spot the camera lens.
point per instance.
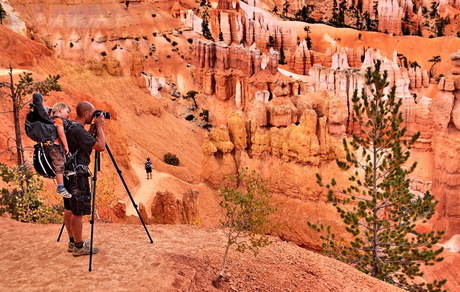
(97, 113)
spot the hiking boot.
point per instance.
(84, 250)
(71, 245)
(63, 192)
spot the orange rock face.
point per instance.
(284, 120)
(166, 209)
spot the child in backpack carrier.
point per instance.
(60, 148)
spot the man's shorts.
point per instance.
(78, 186)
(57, 158)
(148, 169)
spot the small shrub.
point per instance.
(171, 159)
(174, 44)
(19, 197)
(71, 45)
(190, 40)
(190, 117)
(103, 54)
(154, 15)
(207, 127)
(154, 34)
(205, 115)
(247, 205)
(144, 37)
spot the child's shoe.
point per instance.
(63, 192)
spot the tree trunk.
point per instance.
(221, 275)
(17, 118)
(18, 137)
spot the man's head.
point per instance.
(85, 112)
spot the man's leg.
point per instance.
(81, 205)
(77, 228)
(68, 222)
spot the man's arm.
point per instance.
(100, 138)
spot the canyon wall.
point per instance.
(289, 127)
(305, 127)
(446, 146)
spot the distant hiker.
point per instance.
(59, 148)
(148, 168)
(78, 184)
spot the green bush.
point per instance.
(171, 159)
(19, 197)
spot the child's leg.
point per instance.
(59, 178)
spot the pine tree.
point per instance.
(205, 30)
(377, 207)
(435, 60)
(286, 5)
(191, 95)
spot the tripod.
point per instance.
(97, 162)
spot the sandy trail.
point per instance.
(147, 189)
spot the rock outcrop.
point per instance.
(110, 65)
(446, 144)
(390, 16)
(167, 209)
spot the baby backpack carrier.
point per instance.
(40, 128)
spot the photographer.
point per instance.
(79, 205)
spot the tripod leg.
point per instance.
(93, 204)
(127, 190)
(60, 232)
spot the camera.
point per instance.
(97, 113)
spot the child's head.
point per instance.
(61, 110)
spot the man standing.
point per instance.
(82, 143)
(148, 168)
